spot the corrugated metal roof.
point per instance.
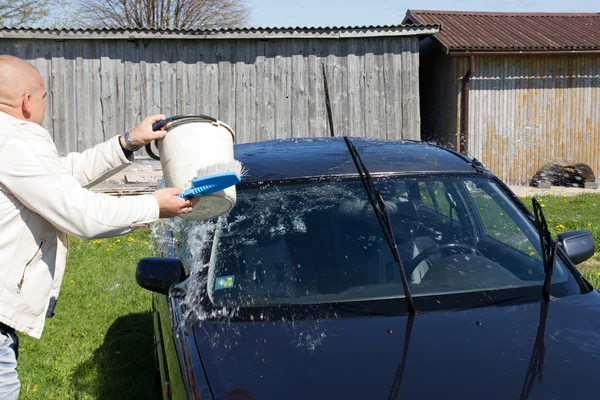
(487, 31)
(238, 33)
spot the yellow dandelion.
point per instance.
(130, 239)
(35, 389)
(532, 253)
(118, 240)
(543, 205)
(72, 280)
(522, 197)
(589, 224)
(564, 195)
(598, 273)
(146, 243)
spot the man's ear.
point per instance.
(26, 105)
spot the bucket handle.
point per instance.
(165, 121)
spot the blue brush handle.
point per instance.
(210, 184)
(189, 193)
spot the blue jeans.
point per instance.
(10, 386)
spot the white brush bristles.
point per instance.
(222, 168)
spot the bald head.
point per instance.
(22, 89)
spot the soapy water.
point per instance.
(270, 212)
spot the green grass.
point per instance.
(99, 345)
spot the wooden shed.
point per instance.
(264, 83)
(515, 90)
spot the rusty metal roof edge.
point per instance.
(523, 51)
(504, 14)
(239, 33)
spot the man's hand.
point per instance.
(171, 205)
(143, 133)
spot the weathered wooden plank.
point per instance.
(95, 104)
(265, 107)
(248, 126)
(356, 88)
(210, 86)
(57, 92)
(108, 96)
(394, 102)
(282, 92)
(242, 86)
(226, 92)
(71, 53)
(313, 81)
(375, 96)
(299, 83)
(411, 115)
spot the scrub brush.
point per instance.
(214, 178)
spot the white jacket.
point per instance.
(44, 198)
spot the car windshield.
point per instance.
(320, 242)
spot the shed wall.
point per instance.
(263, 88)
(525, 112)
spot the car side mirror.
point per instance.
(158, 274)
(579, 245)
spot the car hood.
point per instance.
(530, 351)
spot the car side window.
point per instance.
(498, 224)
(434, 195)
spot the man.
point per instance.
(44, 198)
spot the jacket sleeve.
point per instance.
(98, 163)
(32, 171)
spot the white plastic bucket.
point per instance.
(190, 145)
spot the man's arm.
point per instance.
(32, 171)
(98, 163)
(106, 159)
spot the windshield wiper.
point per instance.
(548, 248)
(382, 216)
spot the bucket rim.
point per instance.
(193, 119)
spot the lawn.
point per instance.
(99, 344)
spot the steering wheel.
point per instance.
(436, 249)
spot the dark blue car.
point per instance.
(361, 269)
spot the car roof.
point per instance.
(284, 159)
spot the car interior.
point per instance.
(342, 254)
